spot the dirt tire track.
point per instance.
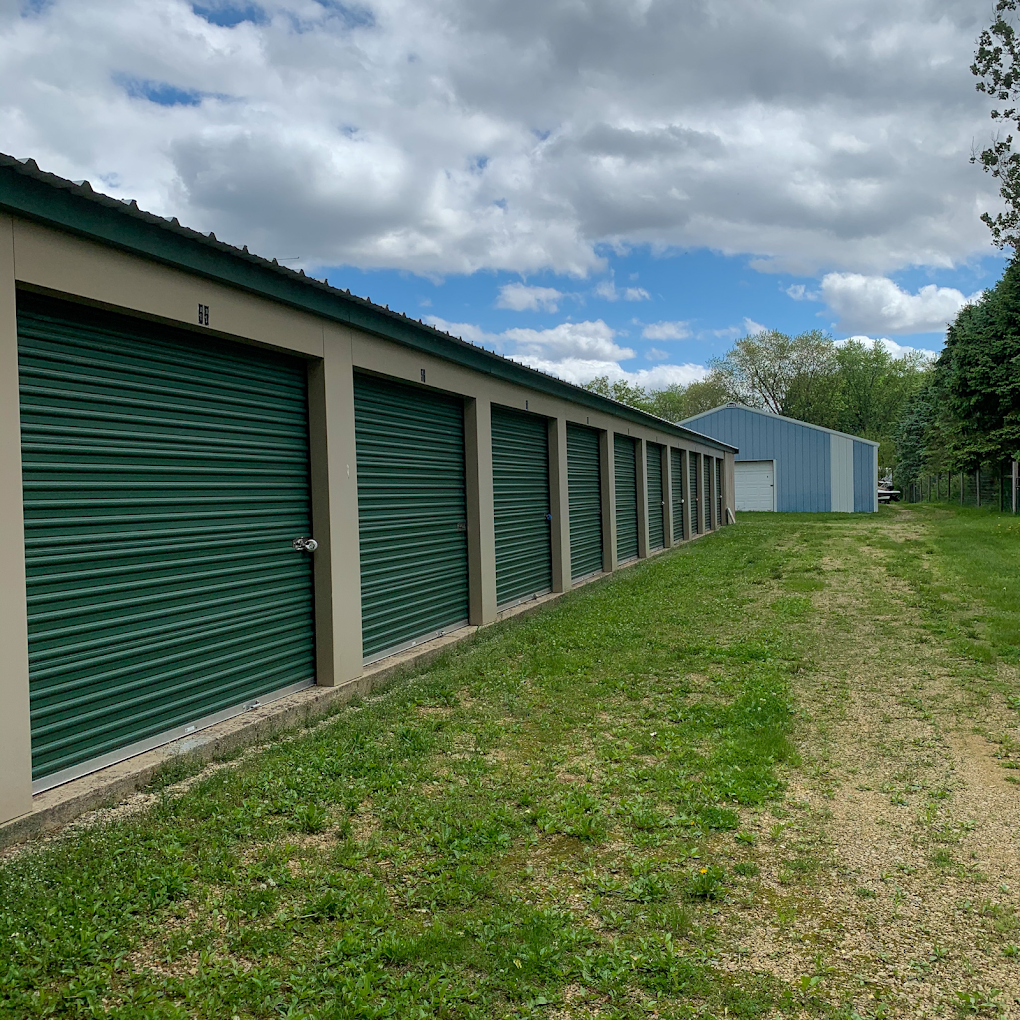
(904, 825)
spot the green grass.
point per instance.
(966, 572)
(527, 819)
(562, 814)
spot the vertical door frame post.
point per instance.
(334, 477)
(701, 494)
(715, 503)
(607, 456)
(559, 505)
(729, 469)
(481, 511)
(667, 497)
(15, 720)
(685, 490)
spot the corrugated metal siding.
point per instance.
(803, 473)
(584, 487)
(692, 471)
(677, 495)
(656, 504)
(520, 489)
(865, 486)
(625, 463)
(841, 458)
(165, 479)
(412, 512)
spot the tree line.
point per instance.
(853, 387)
(966, 416)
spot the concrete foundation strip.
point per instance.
(62, 804)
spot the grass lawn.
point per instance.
(682, 791)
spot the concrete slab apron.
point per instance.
(62, 804)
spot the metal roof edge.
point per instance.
(781, 417)
(27, 191)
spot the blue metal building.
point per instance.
(789, 465)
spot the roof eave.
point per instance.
(27, 191)
(781, 417)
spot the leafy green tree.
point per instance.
(978, 377)
(874, 390)
(677, 402)
(916, 437)
(764, 369)
(815, 397)
(673, 403)
(997, 65)
(620, 390)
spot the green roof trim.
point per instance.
(27, 191)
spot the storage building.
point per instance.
(224, 480)
(792, 466)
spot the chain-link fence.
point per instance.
(993, 487)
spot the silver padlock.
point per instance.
(305, 545)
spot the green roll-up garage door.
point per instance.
(625, 463)
(692, 460)
(656, 506)
(677, 495)
(584, 486)
(165, 477)
(412, 512)
(520, 489)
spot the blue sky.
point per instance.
(704, 299)
(596, 187)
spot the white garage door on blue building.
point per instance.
(792, 466)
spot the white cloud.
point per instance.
(654, 354)
(443, 136)
(607, 290)
(876, 304)
(586, 341)
(521, 298)
(895, 349)
(666, 331)
(568, 340)
(799, 292)
(575, 351)
(657, 378)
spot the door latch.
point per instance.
(305, 544)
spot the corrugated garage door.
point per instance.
(166, 477)
(718, 490)
(412, 513)
(677, 495)
(692, 471)
(584, 486)
(625, 463)
(520, 489)
(656, 503)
